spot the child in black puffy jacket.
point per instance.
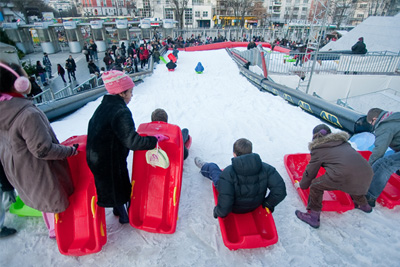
(243, 186)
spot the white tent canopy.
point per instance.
(380, 34)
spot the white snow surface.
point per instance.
(218, 107)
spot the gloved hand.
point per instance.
(215, 213)
(161, 137)
(266, 205)
(75, 149)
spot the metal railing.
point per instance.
(326, 63)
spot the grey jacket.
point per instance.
(387, 134)
(33, 159)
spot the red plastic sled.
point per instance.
(248, 230)
(172, 57)
(390, 196)
(156, 191)
(332, 200)
(81, 229)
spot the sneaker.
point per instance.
(7, 232)
(365, 208)
(310, 217)
(199, 162)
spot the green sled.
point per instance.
(19, 208)
(163, 60)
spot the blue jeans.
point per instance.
(212, 172)
(383, 168)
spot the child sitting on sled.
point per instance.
(171, 65)
(161, 115)
(111, 134)
(346, 170)
(243, 186)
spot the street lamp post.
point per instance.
(60, 13)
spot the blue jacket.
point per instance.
(199, 67)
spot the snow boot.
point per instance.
(371, 201)
(310, 217)
(7, 232)
(199, 162)
(121, 212)
(365, 208)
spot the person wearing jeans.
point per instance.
(386, 128)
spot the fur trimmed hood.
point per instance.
(333, 137)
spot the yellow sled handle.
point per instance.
(56, 217)
(175, 188)
(268, 211)
(133, 185)
(93, 206)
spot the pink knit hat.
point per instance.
(117, 82)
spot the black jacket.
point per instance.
(243, 186)
(111, 134)
(359, 48)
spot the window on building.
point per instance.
(305, 1)
(188, 16)
(304, 8)
(205, 14)
(363, 5)
(295, 8)
(297, 1)
(197, 14)
(288, 1)
(169, 14)
(360, 15)
(198, 2)
(303, 17)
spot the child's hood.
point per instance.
(249, 164)
(339, 137)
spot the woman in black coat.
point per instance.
(111, 134)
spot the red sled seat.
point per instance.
(81, 228)
(156, 190)
(248, 230)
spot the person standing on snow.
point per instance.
(111, 134)
(30, 148)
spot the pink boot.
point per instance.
(49, 221)
(311, 217)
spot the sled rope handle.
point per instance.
(93, 206)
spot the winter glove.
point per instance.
(266, 205)
(296, 184)
(161, 137)
(215, 213)
(74, 150)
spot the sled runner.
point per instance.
(19, 208)
(156, 189)
(248, 230)
(81, 228)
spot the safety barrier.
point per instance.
(346, 119)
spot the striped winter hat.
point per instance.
(117, 82)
